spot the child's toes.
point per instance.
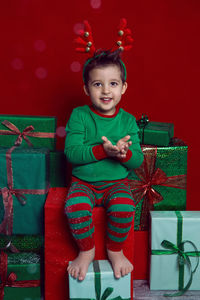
(117, 273)
(71, 272)
(127, 271)
(124, 271)
(76, 273)
(69, 268)
(81, 275)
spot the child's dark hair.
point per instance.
(101, 59)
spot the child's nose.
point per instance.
(106, 89)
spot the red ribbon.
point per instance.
(6, 227)
(23, 135)
(10, 280)
(149, 175)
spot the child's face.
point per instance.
(105, 88)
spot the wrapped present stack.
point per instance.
(160, 182)
(159, 189)
(26, 163)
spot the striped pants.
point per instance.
(114, 196)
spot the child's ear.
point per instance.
(124, 87)
(86, 90)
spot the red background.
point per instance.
(37, 56)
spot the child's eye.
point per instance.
(97, 84)
(113, 83)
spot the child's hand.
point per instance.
(110, 149)
(123, 145)
(118, 150)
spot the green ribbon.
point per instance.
(97, 283)
(183, 257)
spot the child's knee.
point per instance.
(125, 205)
(77, 210)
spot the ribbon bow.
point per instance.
(28, 131)
(143, 121)
(183, 258)
(16, 131)
(10, 280)
(149, 175)
(108, 291)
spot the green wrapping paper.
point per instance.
(155, 133)
(58, 169)
(23, 185)
(32, 243)
(160, 182)
(26, 266)
(100, 283)
(175, 251)
(42, 126)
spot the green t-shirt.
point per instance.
(84, 131)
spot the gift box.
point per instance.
(160, 182)
(100, 282)
(175, 250)
(20, 276)
(155, 133)
(35, 131)
(23, 188)
(141, 255)
(58, 169)
(58, 239)
(24, 243)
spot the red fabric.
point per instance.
(99, 152)
(105, 116)
(141, 255)
(128, 156)
(60, 247)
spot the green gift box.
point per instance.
(35, 131)
(20, 276)
(160, 182)
(175, 251)
(25, 243)
(58, 169)
(23, 189)
(100, 283)
(155, 133)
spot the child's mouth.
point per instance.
(106, 100)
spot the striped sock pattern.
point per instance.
(78, 208)
(120, 209)
(114, 196)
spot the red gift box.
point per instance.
(60, 247)
(141, 255)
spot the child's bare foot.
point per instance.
(121, 265)
(79, 266)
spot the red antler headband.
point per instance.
(85, 40)
(85, 43)
(125, 39)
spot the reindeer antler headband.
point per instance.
(85, 43)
